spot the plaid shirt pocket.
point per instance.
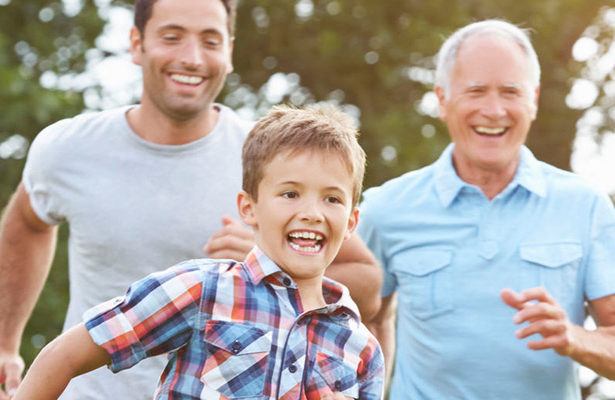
(236, 365)
(332, 375)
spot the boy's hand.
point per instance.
(233, 241)
(11, 367)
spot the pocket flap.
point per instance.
(551, 255)
(423, 262)
(237, 338)
(339, 376)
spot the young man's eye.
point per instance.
(170, 38)
(212, 43)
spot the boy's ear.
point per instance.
(353, 221)
(245, 207)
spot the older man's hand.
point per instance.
(545, 317)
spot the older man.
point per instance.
(492, 253)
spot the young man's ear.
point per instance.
(245, 207)
(353, 221)
(229, 61)
(136, 45)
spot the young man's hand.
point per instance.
(11, 368)
(233, 241)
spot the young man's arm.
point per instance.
(383, 327)
(357, 268)
(27, 245)
(354, 266)
(71, 354)
(594, 349)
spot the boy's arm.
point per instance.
(71, 354)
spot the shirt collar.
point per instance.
(448, 184)
(259, 266)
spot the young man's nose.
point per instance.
(191, 56)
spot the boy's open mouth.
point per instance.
(306, 241)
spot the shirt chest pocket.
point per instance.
(332, 374)
(425, 281)
(553, 265)
(236, 365)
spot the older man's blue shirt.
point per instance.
(448, 251)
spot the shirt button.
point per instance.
(338, 385)
(236, 347)
(286, 281)
(292, 368)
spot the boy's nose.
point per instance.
(310, 212)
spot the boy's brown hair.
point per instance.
(290, 129)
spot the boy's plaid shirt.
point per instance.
(237, 330)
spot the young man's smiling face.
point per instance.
(303, 211)
(185, 54)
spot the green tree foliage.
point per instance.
(373, 57)
(378, 57)
(38, 39)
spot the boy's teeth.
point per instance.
(490, 131)
(187, 79)
(309, 249)
(306, 235)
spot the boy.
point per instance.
(270, 327)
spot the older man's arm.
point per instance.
(357, 268)
(594, 349)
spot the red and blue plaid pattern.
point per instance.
(235, 330)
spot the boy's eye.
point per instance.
(289, 195)
(333, 199)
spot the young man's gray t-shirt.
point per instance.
(133, 207)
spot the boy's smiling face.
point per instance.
(303, 212)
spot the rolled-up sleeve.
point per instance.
(157, 315)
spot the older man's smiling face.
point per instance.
(490, 103)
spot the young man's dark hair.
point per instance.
(143, 12)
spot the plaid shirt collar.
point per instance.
(260, 267)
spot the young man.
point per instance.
(487, 216)
(139, 187)
(270, 327)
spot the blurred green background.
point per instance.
(375, 58)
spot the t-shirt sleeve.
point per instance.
(157, 315)
(600, 274)
(368, 231)
(41, 175)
